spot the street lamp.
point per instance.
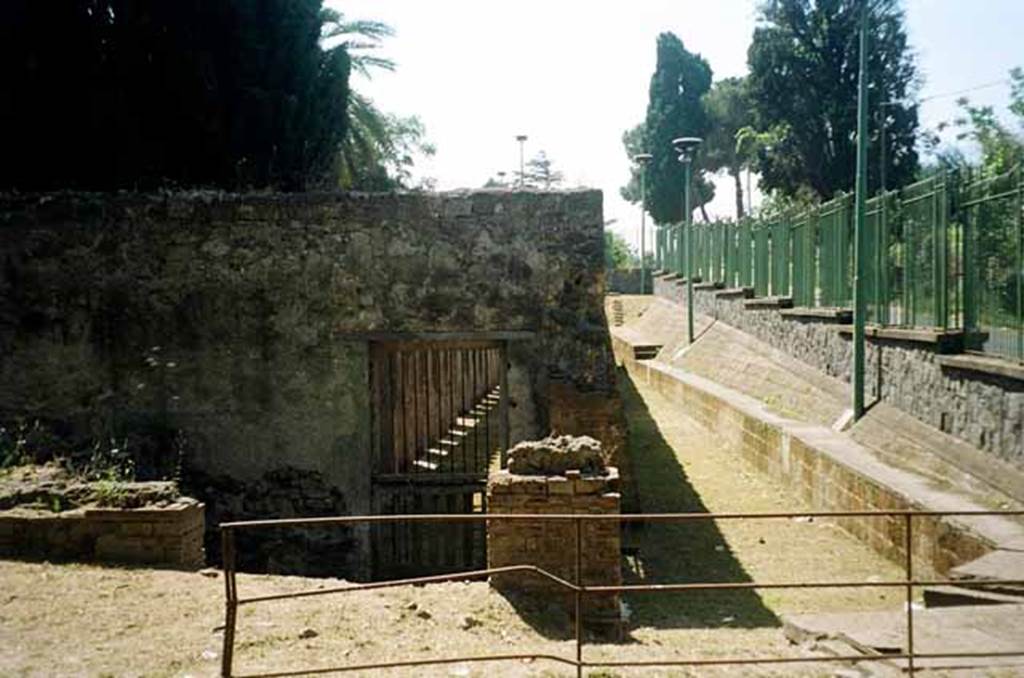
(521, 138)
(641, 160)
(687, 147)
(501, 179)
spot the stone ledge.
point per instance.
(840, 315)
(945, 341)
(984, 364)
(670, 276)
(735, 293)
(768, 303)
(709, 286)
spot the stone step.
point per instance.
(429, 465)
(950, 596)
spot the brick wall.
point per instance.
(169, 535)
(551, 545)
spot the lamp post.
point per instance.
(641, 161)
(521, 138)
(687, 147)
(859, 232)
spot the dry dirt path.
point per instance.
(77, 620)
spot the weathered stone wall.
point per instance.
(239, 324)
(983, 409)
(627, 281)
(169, 535)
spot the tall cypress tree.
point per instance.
(674, 110)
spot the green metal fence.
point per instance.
(944, 253)
(992, 213)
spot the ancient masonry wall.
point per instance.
(169, 535)
(551, 545)
(984, 409)
(798, 457)
(233, 330)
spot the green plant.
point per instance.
(109, 493)
(14, 444)
(112, 463)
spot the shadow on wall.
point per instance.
(678, 552)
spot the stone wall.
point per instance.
(551, 545)
(239, 325)
(170, 535)
(627, 281)
(984, 409)
(823, 468)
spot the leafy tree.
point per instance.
(803, 80)
(540, 172)
(1001, 145)
(1002, 148)
(617, 252)
(729, 111)
(106, 94)
(674, 110)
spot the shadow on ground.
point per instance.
(690, 552)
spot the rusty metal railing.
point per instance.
(579, 590)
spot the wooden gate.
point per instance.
(439, 423)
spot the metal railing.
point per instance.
(944, 253)
(578, 589)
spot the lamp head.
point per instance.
(686, 147)
(521, 137)
(642, 158)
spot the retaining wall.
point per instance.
(923, 373)
(169, 535)
(827, 470)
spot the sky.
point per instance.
(572, 75)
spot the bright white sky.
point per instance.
(573, 75)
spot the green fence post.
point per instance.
(1018, 271)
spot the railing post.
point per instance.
(227, 541)
(503, 398)
(909, 547)
(579, 596)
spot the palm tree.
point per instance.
(376, 141)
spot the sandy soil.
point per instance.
(71, 620)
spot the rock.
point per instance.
(412, 606)
(423, 614)
(210, 572)
(467, 622)
(307, 634)
(555, 455)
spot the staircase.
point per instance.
(470, 444)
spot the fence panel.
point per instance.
(993, 217)
(924, 220)
(781, 257)
(761, 236)
(803, 236)
(835, 257)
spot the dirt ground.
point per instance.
(71, 620)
